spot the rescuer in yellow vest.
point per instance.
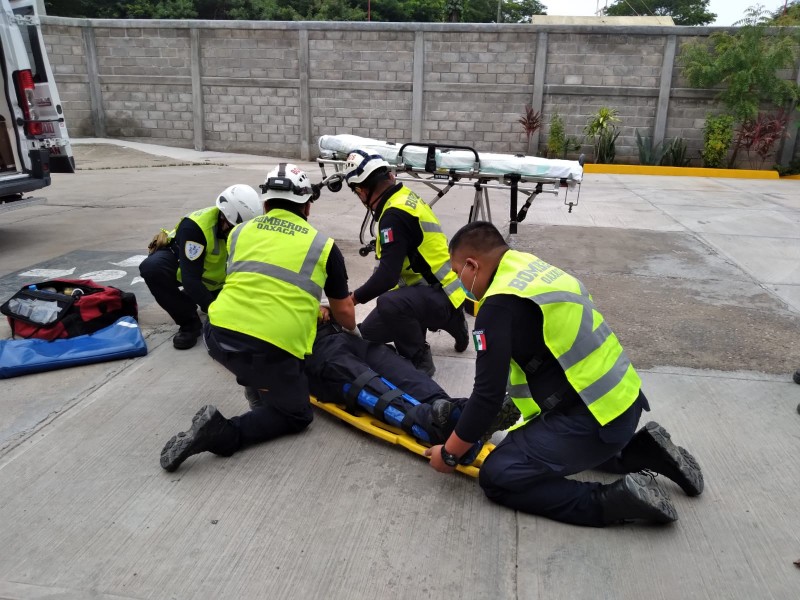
(540, 338)
(263, 324)
(186, 267)
(415, 287)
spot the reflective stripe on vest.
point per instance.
(216, 254)
(521, 395)
(433, 248)
(276, 275)
(301, 279)
(593, 360)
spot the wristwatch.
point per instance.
(451, 460)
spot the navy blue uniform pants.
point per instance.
(282, 385)
(160, 273)
(528, 470)
(404, 315)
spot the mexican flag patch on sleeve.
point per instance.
(387, 237)
(479, 339)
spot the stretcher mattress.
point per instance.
(531, 167)
(371, 425)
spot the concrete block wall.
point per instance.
(360, 83)
(261, 53)
(65, 48)
(610, 60)
(145, 82)
(486, 121)
(275, 88)
(476, 87)
(379, 114)
(249, 90)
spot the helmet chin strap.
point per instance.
(224, 226)
(370, 198)
(368, 203)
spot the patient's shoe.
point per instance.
(441, 409)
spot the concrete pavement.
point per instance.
(700, 278)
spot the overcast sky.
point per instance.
(727, 11)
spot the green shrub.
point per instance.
(649, 154)
(792, 169)
(717, 138)
(605, 145)
(571, 144)
(675, 153)
(556, 139)
(603, 132)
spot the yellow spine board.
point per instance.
(369, 424)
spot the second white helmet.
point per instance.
(239, 203)
(360, 165)
(289, 182)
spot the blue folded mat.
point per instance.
(123, 339)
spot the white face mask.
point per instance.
(469, 293)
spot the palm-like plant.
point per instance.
(603, 132)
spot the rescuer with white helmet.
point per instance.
(186, 267)
(263, 324)
(415, 287)
(239, 203)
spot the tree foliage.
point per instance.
(747, 64)
(786, 14)
(472, 11)
(683, 12)
(511, 11)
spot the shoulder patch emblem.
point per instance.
(387, 237)
(479, 339)
(193, 250)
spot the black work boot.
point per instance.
(509, 414)
(187, 335)
(651, 448)
(433, 418)
(457, 327)
(635, 497)
(253, 399)
(796, 376)
(210, 432)
(440, 411)
(423, 361)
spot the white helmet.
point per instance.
(360, 165)
(239, 203)
(289, 182)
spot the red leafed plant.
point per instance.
(531, 121)
(760, 135)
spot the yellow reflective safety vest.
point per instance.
(216, 252)
(593, 360)
(433, 248)
(276, 274)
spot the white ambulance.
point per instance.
(33, 133)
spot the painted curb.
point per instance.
(680, 171)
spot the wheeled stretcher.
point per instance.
(441, 167)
